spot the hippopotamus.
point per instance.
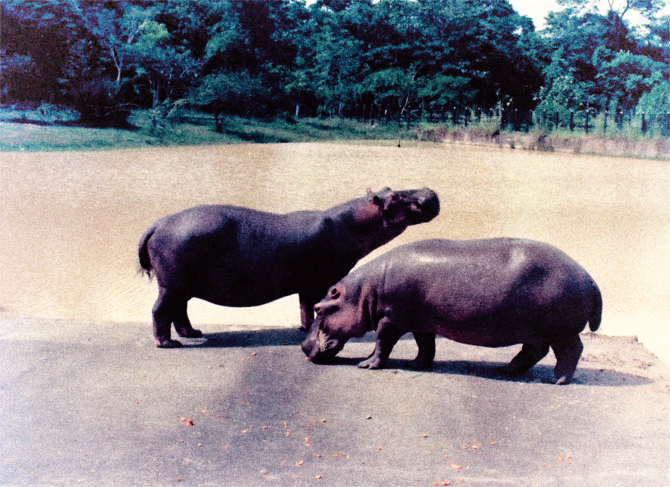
(234, 256)
(492, 293)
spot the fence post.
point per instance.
(607, 112)
(586, 128)
(619, 119)
(556, 119)
(644, 123)
(572, 120)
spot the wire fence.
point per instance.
(587, 121)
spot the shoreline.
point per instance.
(657, 149)
(32, 136)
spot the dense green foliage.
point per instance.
(385, 59)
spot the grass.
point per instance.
(33, 131)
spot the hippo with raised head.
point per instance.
(492, 293)
(239, 257)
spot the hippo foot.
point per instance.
(563, 380)
(167, 343)
(192, 333)
(372, 362)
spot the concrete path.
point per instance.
(97, 404)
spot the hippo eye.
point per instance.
(334, 293)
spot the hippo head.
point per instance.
(339, 316)
(408, 207)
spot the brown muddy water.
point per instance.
(70, 222)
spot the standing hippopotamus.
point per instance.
(492, 293)
(239, 257)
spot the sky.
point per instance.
(535, 9)
(538, 10)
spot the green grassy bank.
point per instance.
(32, 132)
(58, 130)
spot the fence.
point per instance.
(587, 121)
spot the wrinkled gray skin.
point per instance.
(239, 257)
(492, 293)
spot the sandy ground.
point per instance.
(93, 403)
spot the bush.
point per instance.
(98, 103)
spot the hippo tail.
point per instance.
(145, 260)
(597, 310)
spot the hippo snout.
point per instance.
(425, 207)
(319, 349)
(314, 354)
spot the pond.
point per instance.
(70, 222)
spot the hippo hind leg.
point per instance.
(426, 343)
(182, 324)
(568, 352)
(529, 355)
(170, 308)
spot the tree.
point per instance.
(615, 10)
(336, 65)
(38, 36)
(656, 100)
(231, 93)
(624, 77)
(440, 93)
(116, 27)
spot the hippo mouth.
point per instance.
(321, 349)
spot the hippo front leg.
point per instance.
(529, 355)
(387, 336)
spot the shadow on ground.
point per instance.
(541, 373)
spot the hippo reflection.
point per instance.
(492, 293)
(238, 257)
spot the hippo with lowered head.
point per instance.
(239, 257)
(492, 293)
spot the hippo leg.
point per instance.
(163, 313)
(181, 322)
(387, 336)
(567, 354)
(426, 344)
(529, 355)
(306, 311)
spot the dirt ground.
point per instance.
(95, 403)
